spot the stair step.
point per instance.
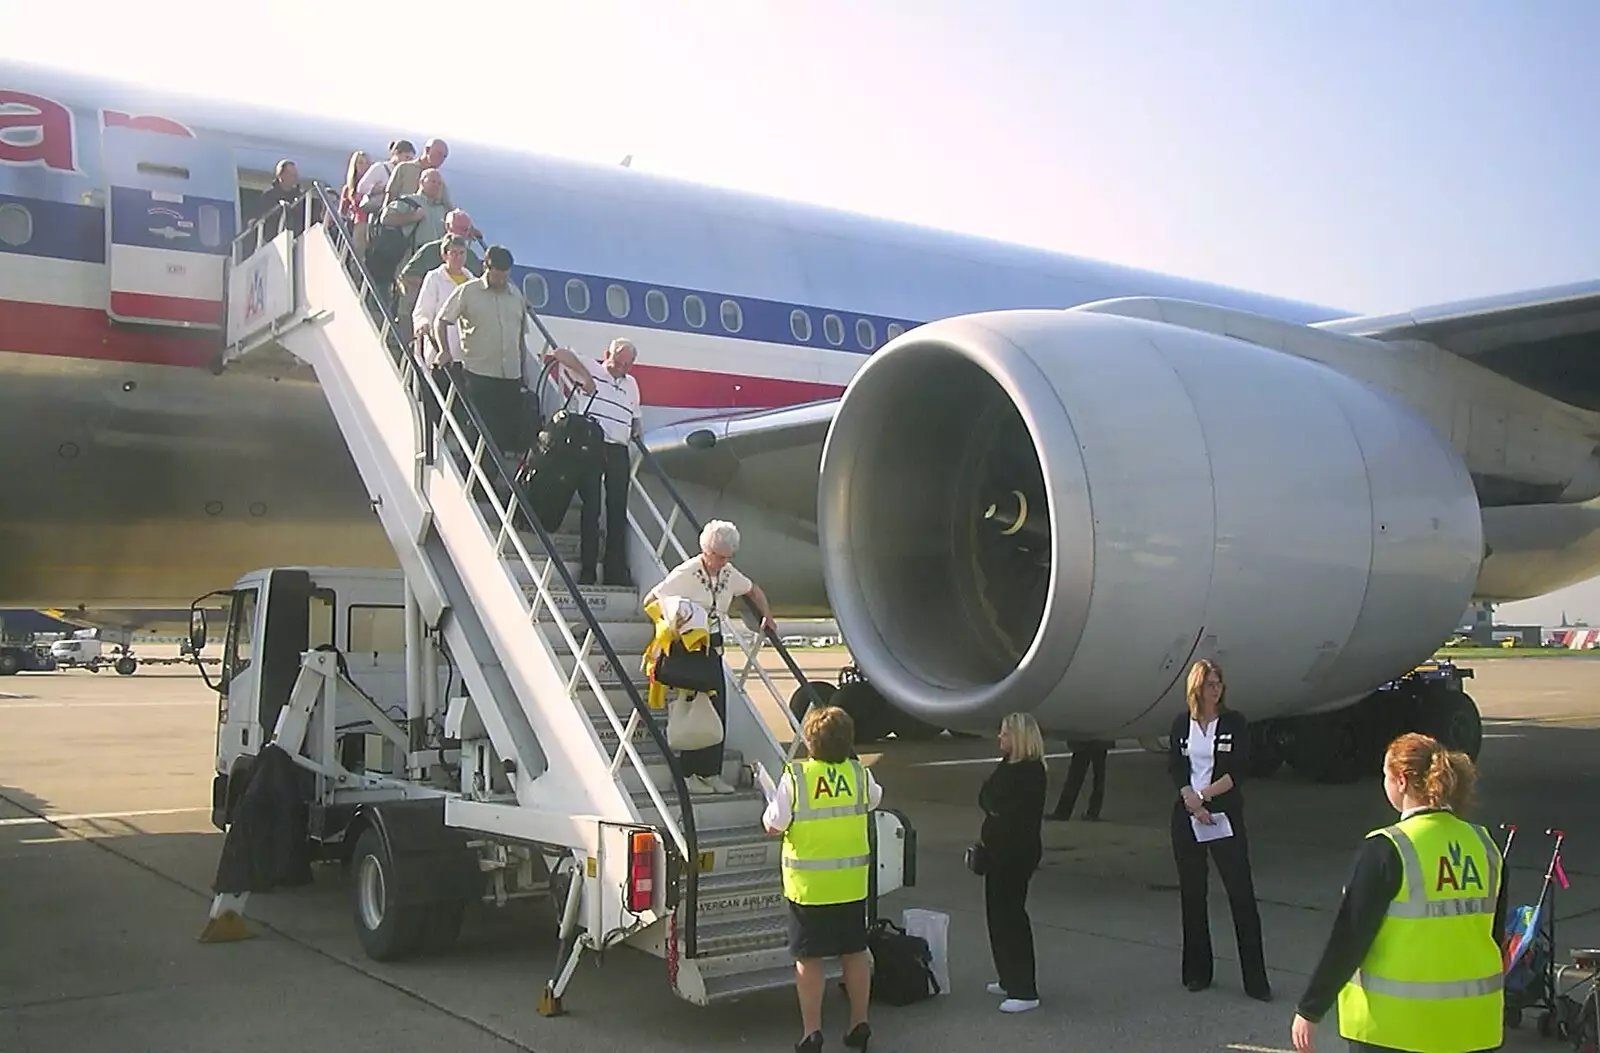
(609, 603)
(740, 894)
(740, 850)
(661, 775)
(757, 976)
(608, 676)
(741, 935)
(741, 808)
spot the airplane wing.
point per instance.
(769, 457)
(1546, 339)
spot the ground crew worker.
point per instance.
(820, 807)
(1413, 957)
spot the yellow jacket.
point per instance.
(676, 619)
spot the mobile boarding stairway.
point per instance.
(563, 767)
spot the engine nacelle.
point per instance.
(1059, 511)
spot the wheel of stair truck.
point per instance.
(126, 666)
(387, 931)
(819, 691)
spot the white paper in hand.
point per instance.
(1220, 827)
(769, 789)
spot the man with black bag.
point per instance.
(614, 405)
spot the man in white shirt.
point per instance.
(613, 402)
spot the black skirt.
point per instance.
(827, 930)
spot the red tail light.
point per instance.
(641, 870)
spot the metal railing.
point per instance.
(750, 644)
(486, 469)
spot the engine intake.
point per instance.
(1058, 511)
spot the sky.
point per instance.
(1375, 156)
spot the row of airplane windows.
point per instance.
(16, 230)
(619, 304)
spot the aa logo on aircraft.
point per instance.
(256, 298)
(832, 784)
(1458, 871)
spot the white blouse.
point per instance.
(714, 592)
(1202, 753)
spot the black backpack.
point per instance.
(902, 965)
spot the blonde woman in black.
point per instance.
(1206, 759)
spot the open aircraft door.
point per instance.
(171, 216)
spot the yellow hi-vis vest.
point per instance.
(1433, 981)
(826, 854)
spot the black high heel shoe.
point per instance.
(810, 1044)
(859, 1036)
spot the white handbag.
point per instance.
(692, 722)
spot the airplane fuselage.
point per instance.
(137, 475)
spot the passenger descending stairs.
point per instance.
(552, 668)
(742, 919)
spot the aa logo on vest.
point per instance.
(1458, 871)
(832, 784)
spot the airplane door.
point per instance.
(171, 216)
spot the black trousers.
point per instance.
(614, 474)
(499, 402)
(1082, 757)
(1232, 856)
(707, 762)
(1005, 903)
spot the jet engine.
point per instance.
(1059, 511)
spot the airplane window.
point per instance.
(800, 325)
(617, 301)
(732, 316)
(655, 305)
(895, 330)
(535, 290)
(16, 225)
(866, 334)
(694, 311)
(578, 295)
(833, 329)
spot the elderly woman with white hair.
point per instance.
(711, 580)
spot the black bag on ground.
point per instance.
(902, 965)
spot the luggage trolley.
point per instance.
(1530, 942)
(1580, 1004)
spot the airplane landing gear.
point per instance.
(1348, 743)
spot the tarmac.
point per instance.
(107, 854)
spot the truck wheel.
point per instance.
(9, 663)
(1266, 748)
(1326, 747)
(867, 709)
(387, 932)
(801, 700)
(441, 925)
(126, 666)
(1452, 718)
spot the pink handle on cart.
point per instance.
(1555, 859)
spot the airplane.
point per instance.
(1018, 479)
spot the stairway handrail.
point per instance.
(405, 352)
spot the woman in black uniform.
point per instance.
(1012, 799)
(1206, 759)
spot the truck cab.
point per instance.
(274, 616)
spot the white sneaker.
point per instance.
(996, 989)
(719, 785)
(1018, 1005)
(698, 784)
